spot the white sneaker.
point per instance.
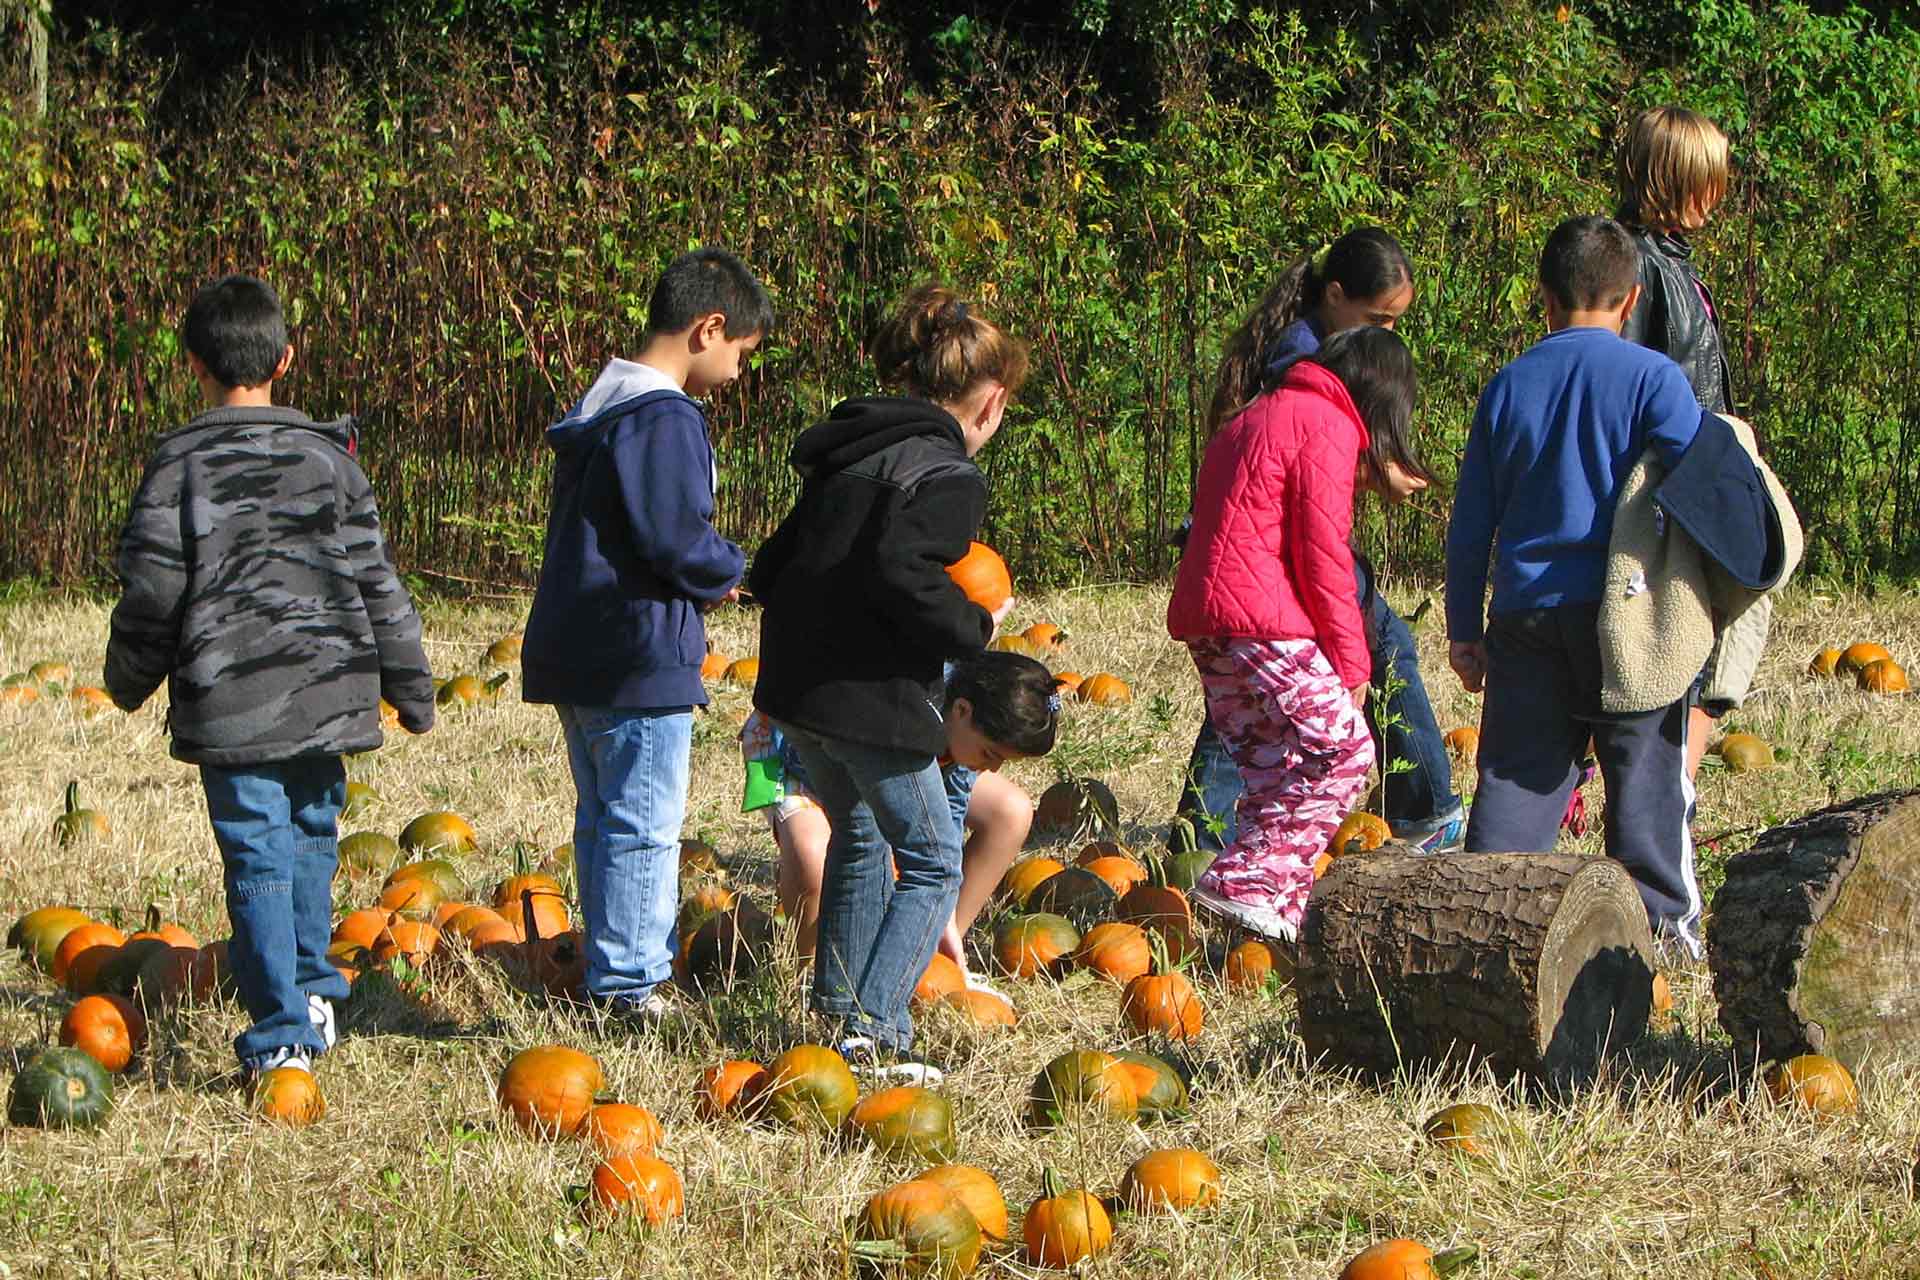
(864, 1057)
(320, 1013)
(977, 983)
(289, 1055)
(1244, 915)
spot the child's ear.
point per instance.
(286, 363)
(709, 330)
(960, 711)
(1632, 301)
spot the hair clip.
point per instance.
(954, 314)
(1053, 703)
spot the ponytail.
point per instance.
(939, 348)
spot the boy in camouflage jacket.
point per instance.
(255, 581)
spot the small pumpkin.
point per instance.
(289, 1096)
(714, 665)
(15, 692)
(170, 976)
(107, 1028)
(1825, 663)
(1076, 893)
(39, 933)
(83, 954)
(729, 947)
(414, 941)
(728, 1089)
(470, 690)
(441, 832)
(637, 1183)
(1120, 874)
(1075, 805)
(1251, 962)
(1176, 1179)
(1065, 1225)
(618, 1128)
(1020, 645)
(1104, 690)
(1359, 832)
(1067, 681)
(1160, 1091)
(983, 576)
(1744, 752)
(701, 900)
(1405, 1260)
(1163, 1004)
(369, 853)
(60, 1088)
(808, 1087)
(1031, 945)
(50, 671)
(1883, 675)
(1117, 951)
(535, 891)
(1463, 742)
(360, 798)
(549, 1088)
(1857, 657)
(922, 1227)
(1469, 1128)
(983, 1008)
(506, 650)
(976, 1189)
(361, 928)
(472, 919)
(942, 978)
(1815, 1083)
(906, 1120)
(1024, 877)
(1045, 634)
(700, 856)
(448, 880)
(415, 898)
(77, 825)
(1161, 909)
(90, 700)
(1662, 1006)
(745, 672)
(120, 974)
(1081, 1080)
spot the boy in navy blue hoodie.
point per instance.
(616, 636)
(1555, 435)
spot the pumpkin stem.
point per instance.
(1157, 867)
(73, 796)
(1051, 1183)
(1445, 1264)
(522, 863)
(496, 681)
(1186, 839)
(153, 917)
(532, 921)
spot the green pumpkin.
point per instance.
(1076, 1081)
(78, 825)
(444, 875)
(61, 1089)
(1185, 868)
(1076, 893)
(1077, 805)
(369, 853)
(1167, 1099)
(728, 947)
(39, 933)
(906, 1120)
(807, 1087)
(360, 798)
(438, 832)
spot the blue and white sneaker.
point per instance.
(320, 1013)
(287, 1055)
(1445, 834)
(869, 1063)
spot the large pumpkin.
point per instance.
(1081, 1080)
(549, 1089)
(443, 875)
(924, 1228)
(906, 1120)
(619, 1128)
(414, 941)
(39, 933)
(808, 1087)
(1858, 657)
(535, 893)
(109, 1029)
(1883, 675)
(439, 832)
(729, 947)
(1160, 1091)
(60, 1088)
(731, 1088)
(289, 1096)
(1028, 946)
(1163, 1004)
(982, 574)
(1065, 1225)
(978, 1191)
(1255, 960)
(1076, 893)
(1075, 805)
(1178, 1179)
(1025, 876)
(942, 978)
(983, 1008)
(1159, 908)
(637, 1183)
(1404, 1260)
(1117, 951)
(1121, 873)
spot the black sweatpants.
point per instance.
(1542, 703)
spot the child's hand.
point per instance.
(1359, 695)
(1469, 662)
(1000, 614)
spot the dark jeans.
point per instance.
(1424, 792)
(1542, 703)
(877, 934)
(277, 829)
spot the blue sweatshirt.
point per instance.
(1552, 442)
(631, 551)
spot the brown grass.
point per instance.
(1663, 1167)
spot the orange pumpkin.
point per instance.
(1117, 951)
(617, 1128)
(984, 1008)
(18, 695)
(637, 1183)
(288, 1096)
(83, 954)
(1464, 742)
(549, 1089)
(983, 576)
(1159, 908)
(1815, 1082)
(905, 1120)
(1859, 656)
(1104, 690)
(1178, 1179)
(90, 700)
(1163, 1004)
(361, 928)
(808, 1087)
(1065, 1225)
(922, 1227)
(415, 941)
(1081, 1080)
(714, 665)
(745, 672)
(942, 978)
(414, 897)
(1028, 946)
(439, 832)
(471, 918)
(506, 649)
(1883, 675)
(975, 1188)
(1045, 634)
(1404, 1260)
(1068, 680)
(1121, 874)
(1825, 663)
(1251, 962)
(171, 934)
(534, 902)
(728, 1089)
(1662, 998)
(108, 1029)
(1357, 833)
(1023, 878)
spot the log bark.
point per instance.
(1531, 964)
(1814, 939)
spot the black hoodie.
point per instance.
(860, 612)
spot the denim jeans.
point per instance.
(878, 934)
(630, 798)
(276, 827)
(1212, 789)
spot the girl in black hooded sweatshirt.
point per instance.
(860, 615)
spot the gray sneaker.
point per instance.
(289, 1055)
(1445, 834)
(870, 1063)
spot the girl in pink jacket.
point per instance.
(1265, 602)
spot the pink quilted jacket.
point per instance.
(1269, 556)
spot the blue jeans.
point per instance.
(877, 934)
(276, 827)
(630, 798)
(1212, 790)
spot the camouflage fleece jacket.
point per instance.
(255, 581)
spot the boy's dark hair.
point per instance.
(1589, 264)
(1366, 261)
(1377, 370)
(1014, 698)
(235, 328)
(709, 282)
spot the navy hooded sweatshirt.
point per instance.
(631, 551)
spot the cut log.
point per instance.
(1814, 940)
(1530, 964)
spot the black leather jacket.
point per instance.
(1676, 315)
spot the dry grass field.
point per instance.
(1668, 1166)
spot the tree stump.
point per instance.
(1529, 963)
(1814, 940)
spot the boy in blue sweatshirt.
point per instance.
(1554, 437)
(616, 635)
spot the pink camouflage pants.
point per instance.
(1304, 753)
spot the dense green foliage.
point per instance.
(465, 210)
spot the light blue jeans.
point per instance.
(277, 829)
(630, 787)
(878, 934)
